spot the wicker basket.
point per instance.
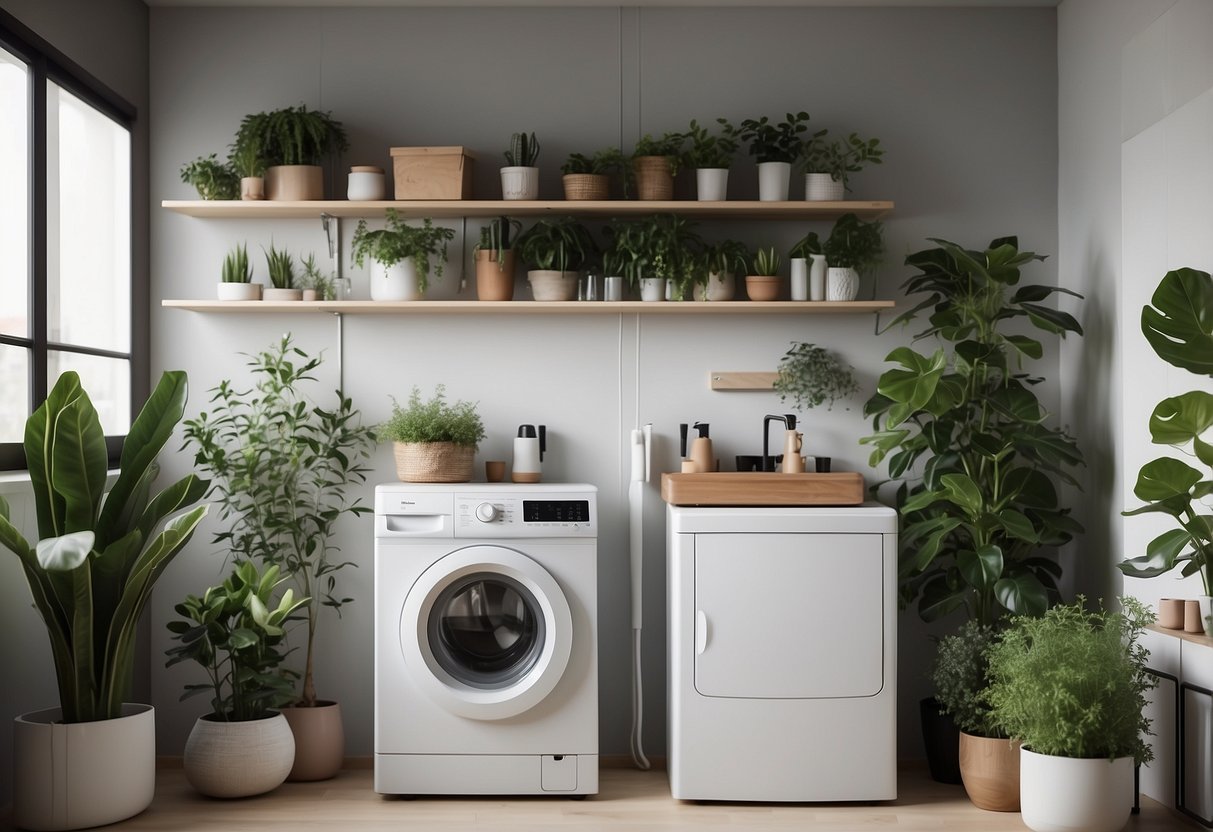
(433, 462)
(583, 186)
(653, 178)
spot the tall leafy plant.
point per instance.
(99, 555)
(1179, 326)
(282, 469)
(967, 441)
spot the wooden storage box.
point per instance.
(432, 172)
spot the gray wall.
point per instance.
(964, 100)
(108, 39)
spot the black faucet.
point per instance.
(789, 421)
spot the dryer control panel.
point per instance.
(530, 515)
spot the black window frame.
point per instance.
(47, 64)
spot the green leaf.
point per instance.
(1018, 525)
(915, 385)
(1164, 478)
(1022, 594)
(1028, 346)
(1179, 325)
(1016, 405)
(981, 568)
(938, 599)
(1181, 419)
(1052, 320)
(1161, 555)
(964, 493)
(64, 553)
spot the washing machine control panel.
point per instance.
(497, 515)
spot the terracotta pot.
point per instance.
(319, 741)
(239, 759)
(583, 186)
(653, 178)
(989, 769)
(293, 183)
(495, 281)
(763, 287)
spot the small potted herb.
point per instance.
(246, 161)
(210, 178)
(762, 283)
(587, 178)
(495, 259)
(281, 268)
(555, 249)
(811, 376)
(655, 163)
(828, 163)
(293, 142)
(711, 154)
(774, 147)
(316, 284)
(434, 440)
(520, 177)
(720, 263)
(854, 247)
(237, 276)
(402, 252)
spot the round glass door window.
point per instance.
(486, 630)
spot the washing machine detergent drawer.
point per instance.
(769, 610)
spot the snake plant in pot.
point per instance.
(495, 259)
(1179, 326)
(91, 572)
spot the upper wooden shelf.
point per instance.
(448, 209)
(1195, 638)
(526, 307)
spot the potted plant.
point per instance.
(237, 276)
(808, 249)
(495, 259)
(281, 268)
(403, 253)
(774, 147)
(811, 376)
(853, 248)
(968, 441)
(711, 154)
(656, 255)
(91, 572)
(555, 249)
(828, 163)
(1178, 327)
(719, 263)
(654, 164)
(520, 177)
(316, 285)
(762, 283)
(588, 178)
(989, 761)
(282, 468)
(293, 141)
(234, 631)
(211, 179)
(1071, 685)
(245, 161)
(434, 440)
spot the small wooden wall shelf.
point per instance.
(720, 380)
(1195, 638)
(527, 307)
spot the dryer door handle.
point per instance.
(701, 632)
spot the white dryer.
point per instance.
(782, 653)
(486, 661)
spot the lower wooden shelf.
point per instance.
(527, 307)
(1195, 638)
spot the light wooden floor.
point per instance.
(628, 799)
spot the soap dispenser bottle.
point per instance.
(701, 450)
(528, 454)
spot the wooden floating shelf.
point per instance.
(1182, 635)
(450, 209)
(527, 307)
(719, 380)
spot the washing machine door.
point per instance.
(486, 632)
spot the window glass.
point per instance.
(14, 402)
(107, 380)
(14, 199)
(89, 231)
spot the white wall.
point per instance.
(972, 155)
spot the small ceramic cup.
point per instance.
(494, 470)
(822, 464)
(1192, 622)
(1171, 613)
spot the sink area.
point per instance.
(760, 488)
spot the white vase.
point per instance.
(720, 286)
(773, 181)
(552, 285)
(711, 184)
(841, 284)
(239, 759)
(239, 291)
(1206, 613)
(800, 278)
(822, 187)
(84, 774)
(519, 183)
(1066, 794)
(395, 282)
(817, 277)
(652, 289)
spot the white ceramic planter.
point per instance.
(721, 286)
(271, 294)
(652, 289)
(841, 284)
(238, 291)
(773, 181)
(800, 278)
(395, 282)
(239, 759)
(1206, 613)
(85, 774)
(519, 183)
(817, 277)
(1064, 794)
(552, 285)
(365, 183)
(821, 187)
(711, 184)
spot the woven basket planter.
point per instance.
(433, 462)
(583, 186)
(653, 178)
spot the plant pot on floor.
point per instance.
(841, 284)
(433, 461)
(495, 281)
(552, 285)
(711, 184)
(519, 183)
(773, 181)
(989, 769)
(1064, 794)
(821, 187)
(239, 759)
(109, 774)
(653, 178)
(239, 291)
(397, 282)
(293, 183)
(761, 287)
(941, 739)
(720, 286)
(585, 186)
(319, 741)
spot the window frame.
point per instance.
(48, 65)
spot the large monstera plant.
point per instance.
(969, 450)
(1179, 326)
(98, 555)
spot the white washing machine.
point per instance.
(486, 659)
(782, 653)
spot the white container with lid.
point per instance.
(365, 183)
